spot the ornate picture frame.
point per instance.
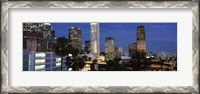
(6, 5)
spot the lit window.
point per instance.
(58, 59)
(40, 61)
(40, 55)
(58, 64)
(39, 67)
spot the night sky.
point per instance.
(159, 36)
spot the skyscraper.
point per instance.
(75, 37)
(94, 40)
(48, 37)
(141, 40)
(33, 36)
(87, 46)
(132, 48)
(119, 51)
(38, 37)
(47, 30)
(110, 48)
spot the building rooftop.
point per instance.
(74, 28)
(109, 38)
(141, 26)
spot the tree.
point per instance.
(60, 48)
(111, 65)
(139, 61)
(63, 47)
(77, 64)
(75, 52)
(76, 61)
(116, 63)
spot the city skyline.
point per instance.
(159, 36)
(78, 50)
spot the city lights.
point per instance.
(99, 46)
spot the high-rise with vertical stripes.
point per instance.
(94, 40)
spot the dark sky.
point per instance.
(159, 36)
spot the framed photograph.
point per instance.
(100, 46)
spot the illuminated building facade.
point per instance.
(94, 40)
(119, 51)
(102, 58)
(32, 36)
(41, 61)
(38, 37)
(75, 37)
(48, 38)
(141, 40)
(132, 47)
(110, 48)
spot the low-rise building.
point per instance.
(42, 61)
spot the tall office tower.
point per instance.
(75, 37)
(38, 37)
(87, 46)
(110, 48)
(32, 36)
(94, 40)
(48, 37)
(119, 51)
(141, 40)
(47, 30)
(132, 47)
(51, 40)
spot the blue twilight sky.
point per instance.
(159, 36)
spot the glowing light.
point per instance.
(58, 64)
(70, 55)
(102, 58)
(58, 59)
(40, 55)
(40, 61)
(39, 67)
(70, 69)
